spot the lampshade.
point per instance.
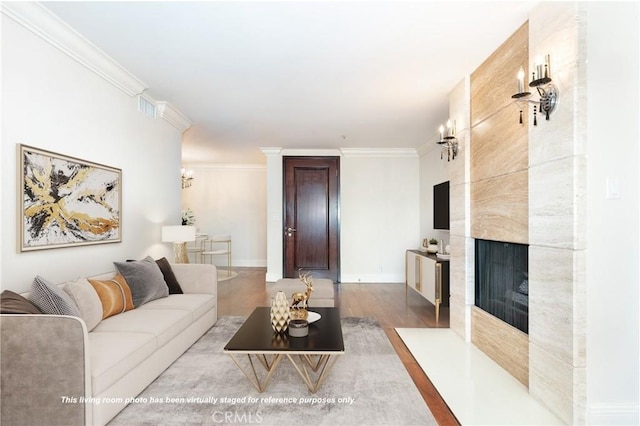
(178, 234)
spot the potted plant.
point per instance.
(188, 218)
(433, 246)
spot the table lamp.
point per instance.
(179, 235)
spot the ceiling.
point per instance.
(299, 74)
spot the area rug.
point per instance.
(368, 385)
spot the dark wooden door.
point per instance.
(311, 222)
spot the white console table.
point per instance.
(429, 277)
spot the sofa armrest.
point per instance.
(196, 277)
(43, 359)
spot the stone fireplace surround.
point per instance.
(538, 199)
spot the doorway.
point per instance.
(311, 216)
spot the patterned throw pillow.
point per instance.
(87, 300)
(50, 299)
(14, 303)
(114, 294)
(145, 280)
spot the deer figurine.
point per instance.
(303, 298)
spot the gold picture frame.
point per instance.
(65, 201)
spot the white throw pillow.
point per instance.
(85, 296)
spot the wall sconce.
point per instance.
(449, 142)
(187, 177)
(548, 92)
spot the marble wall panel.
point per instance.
(461, 285)
(459, 207)
(457, 316)
(551, 382)
(557, 203)
(551, 273)
(557, 35)
(498, 140)
(495, 80)
(459, 168)
(506, 345)
(460, 112)
(557, 218)
(462, 274)
(500, 208)
(499, 145)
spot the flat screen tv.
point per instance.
(441, 206)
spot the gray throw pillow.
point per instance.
(50, 299)
(145, 280)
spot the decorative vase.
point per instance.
(280, 313)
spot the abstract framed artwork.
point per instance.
(65, 202)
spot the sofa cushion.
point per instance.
(145, 280)
(113, 355)
(51, 299)
(14, 303)
(197, 304)
(87, 300)
(169, 276)
(164, 324)
(114, 294)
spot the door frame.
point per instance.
(284, 208)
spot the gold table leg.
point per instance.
(270, 367)
(324, 364)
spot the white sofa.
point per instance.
(50, 364)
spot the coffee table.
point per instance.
(318, 351)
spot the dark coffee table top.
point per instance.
(257, 336)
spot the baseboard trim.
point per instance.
(614, 414)
(373, 278)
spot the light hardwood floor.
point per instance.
(390, 304)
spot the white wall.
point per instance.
(50, 101)
(231, 199)
(433, 171)
(379, 203)
(613, 228)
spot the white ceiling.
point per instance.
(299, 74)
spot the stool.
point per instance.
(322, 296)
(210, 250)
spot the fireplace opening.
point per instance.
(502, 281)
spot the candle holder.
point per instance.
(547, 92)
(449, 142)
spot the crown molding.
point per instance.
(173, 116)
(380, 152)
(271, 150)
(221, 166)
(42, 22)
(309, 152)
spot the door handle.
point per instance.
(290, 231)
